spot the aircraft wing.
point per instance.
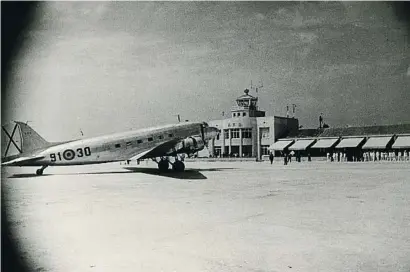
(23, 160)
(157, 151)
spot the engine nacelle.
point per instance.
(190, 145)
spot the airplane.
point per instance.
(151, 143)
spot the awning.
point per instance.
(280, 145)
(350, 142)
(325, 143)
(402, 142)
(301, 144)
(377, 142)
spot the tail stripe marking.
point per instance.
(11, 140)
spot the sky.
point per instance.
(104, 67)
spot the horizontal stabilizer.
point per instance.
(23, 160)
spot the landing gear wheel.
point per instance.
(178, 166)
(39, 172)
(163, 165)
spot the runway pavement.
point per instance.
(241, 216)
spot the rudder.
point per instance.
(31, 140)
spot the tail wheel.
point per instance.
(178, 166)
(39, 172)
(163, 165)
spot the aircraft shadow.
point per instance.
(28, 175)
(187, 174)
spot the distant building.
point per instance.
(356, 143)
(249, 133)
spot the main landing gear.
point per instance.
(39, 172)
(177, 166)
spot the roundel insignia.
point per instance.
(69, 154)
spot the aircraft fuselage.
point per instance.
(115, 147)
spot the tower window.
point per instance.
(244, 114)
(234, 114)
(264, 132)
(246, 133)
(235, 133)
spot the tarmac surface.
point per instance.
(231, 216)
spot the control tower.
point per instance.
(247, 105)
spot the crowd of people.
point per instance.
(403, 155)
(371, 156)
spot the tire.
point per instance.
(178, 166)
(163, 165)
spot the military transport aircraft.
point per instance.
(151, 143)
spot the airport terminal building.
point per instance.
(248, 132)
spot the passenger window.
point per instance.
(150, 139)
(117, 145)
(170, 135)
(139, 141)
(160, 137)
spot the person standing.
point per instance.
(271, 157)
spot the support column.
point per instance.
(211, 147)
(223, 142)
(240, 143)
(258, 143)
(254, 139)
(230, 142)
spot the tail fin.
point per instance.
(31, 140)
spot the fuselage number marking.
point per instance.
(69, 154)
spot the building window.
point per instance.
(265, 150)
(217, 137)
(150, 139)
(234, 114)
(246, 133)
(264, 132)
(244, 114)
(226, 133)
(217, 151)
(117, 145)
(139, 141)
(235, 133)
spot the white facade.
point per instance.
(248, 133)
